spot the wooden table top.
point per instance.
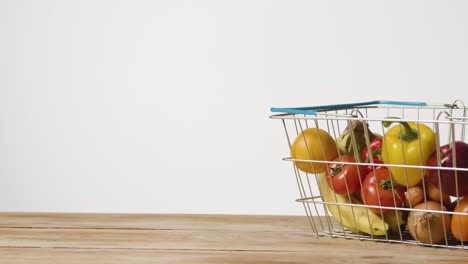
(161, 238)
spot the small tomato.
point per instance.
(378, 189)
(345, 178)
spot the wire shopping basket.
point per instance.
(382, 170)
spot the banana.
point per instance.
(395, 221)
(365, 221)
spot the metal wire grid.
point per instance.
(448, 121)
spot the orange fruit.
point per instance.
(460, 222)
(313, 144)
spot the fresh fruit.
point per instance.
(453, 155)
(427, 226)
(313, 144)
(355, 218)
(460, 222)
(345, 178)
(396, 222)
(378, 189)
(407, 144)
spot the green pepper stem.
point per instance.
(407, 134)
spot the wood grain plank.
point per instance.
(334, 255)
(154, 221)
(210, 241)
(156, 239)
(130, 238)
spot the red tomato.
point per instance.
(345, 178)
(377, 191)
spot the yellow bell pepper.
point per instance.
(408, 143)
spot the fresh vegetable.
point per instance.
(453, 204)
(407, 144)
(453, 155)
(436, 195)
(460, 222)
(378, 189)
(356, 129)
(345, 178)
(427, 226)
(313, 144)
(414, 195)
(373, 154)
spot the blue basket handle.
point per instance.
(312, 110)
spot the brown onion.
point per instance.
(413, 196)
(429, 227)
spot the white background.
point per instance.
(163, 106)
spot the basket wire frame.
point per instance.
(448, 121)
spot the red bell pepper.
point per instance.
(373, 154)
